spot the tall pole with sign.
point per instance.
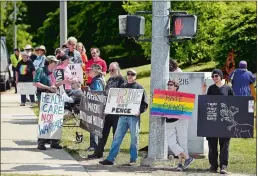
(160, 49)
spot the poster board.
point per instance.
(124, 101)
(225, 116)
(50, 116)
(76, 70)
(26, 88)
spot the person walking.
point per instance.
(115, 81)
(125, 122)
(25, 71)
(15, 59)
(219, 88)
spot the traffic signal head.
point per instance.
(131, 25)
(184, 25)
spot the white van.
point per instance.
(5, 74)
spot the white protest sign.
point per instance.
(124, 101)
(50, 116)
(76, 70)
(26, 88)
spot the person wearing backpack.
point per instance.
(97, 84)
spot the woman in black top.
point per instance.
(115, 81)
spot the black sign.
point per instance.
(225, 116)
(92, 112)
(59, 75)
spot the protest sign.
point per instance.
(124, 101)
(50, 116)
(76, 70)
(26, 88)
(225, 116)
(92, 112)
(172, 104)
(59, 76)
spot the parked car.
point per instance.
(5, 73)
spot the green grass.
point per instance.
(242, 155)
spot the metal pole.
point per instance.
(158, 147)
(15, 26)
(63, 22)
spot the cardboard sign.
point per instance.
(124, 101)
(50, 116)
(172, 104)
(225, 116)
(26, 88)
(92, 112)
(76, 70)
(59, 76)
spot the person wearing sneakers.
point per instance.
(125, 122)
(218, 88)
(25, 72)
(177, 135)
(44, 80)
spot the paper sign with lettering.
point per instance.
(76, 70)
(172, 104)
(26, 88)
(92, 112)
(51, 116)
(225, 116)
(124, 101)
(59, 76)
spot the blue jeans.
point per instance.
(124, 123)
(94, 140)
(23, 98)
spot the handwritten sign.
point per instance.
(124, 101)
(172, 104)
(50, 116)
(92, 112)
(26, 88)
(76, 70)
(59, 76)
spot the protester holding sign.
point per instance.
(218, 89)
(128, 121)
(25, 71)
(97, 84)
(45, 82)
(115, 81)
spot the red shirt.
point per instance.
(100, 62)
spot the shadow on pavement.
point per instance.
(22, 121)
(24, 142)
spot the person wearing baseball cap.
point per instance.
(15, 58)
(219, 88)
(241, 79)
(40, 60)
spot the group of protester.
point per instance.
(36, 67)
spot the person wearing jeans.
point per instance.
(125, 122)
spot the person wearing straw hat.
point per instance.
(39, 62)
(28, 49)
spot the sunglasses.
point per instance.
(170, 84)
(216, 76)
(111, 70)
(93, 53)
(131, 74)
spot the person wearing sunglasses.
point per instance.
(126, 122)
(218, 88)
(115, 81)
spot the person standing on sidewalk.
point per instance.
(128, 121)
(15, 59)
(218, 89)
(44, 80)
(74, 55)
(25, 71)
(40, 60)
(111, 120)
(97, 84)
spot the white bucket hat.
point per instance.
(27, 47)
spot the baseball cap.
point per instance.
(51, 58)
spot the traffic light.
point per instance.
(131, 25)
(184, 25)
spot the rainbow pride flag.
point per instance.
(172, 104)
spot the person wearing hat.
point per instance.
(44, 80)
(29, 50)
(15, 58)
(37, 50)
(40, 60)
(97, 84)
(25, 72)
(126, 122)
(241, 79)
(218, 88)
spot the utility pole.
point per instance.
(63, 22)
(15, 26)
(160, 51)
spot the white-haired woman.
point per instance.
(74, 55)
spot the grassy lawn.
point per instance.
(242, 151)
